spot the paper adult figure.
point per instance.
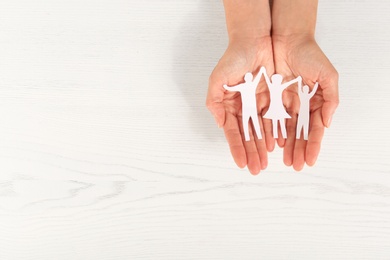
(304, 109)
(276, 110)
(249, 106)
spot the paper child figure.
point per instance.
(249, 105)
(276, 110)
(304, 109)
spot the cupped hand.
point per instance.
(242, 56)
(301, 56)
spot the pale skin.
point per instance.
(297, 53)
(250, 47)
(291, 51)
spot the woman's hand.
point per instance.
(301, 56)
(242, 56)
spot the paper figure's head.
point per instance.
(248, 77)
(277, 79)
(305, 89)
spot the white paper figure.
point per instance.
(304, 109)
(276, 110)
(249, 105)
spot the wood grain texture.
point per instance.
(108, 152)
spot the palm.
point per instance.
(227, 108)
(305, 59)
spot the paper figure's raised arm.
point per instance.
(300, 90)
(314, 90)
(233, 88)
(257, 78)
(298, 79)
(264, 71)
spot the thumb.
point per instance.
(328, 109)
(330, 92)
(214, 101)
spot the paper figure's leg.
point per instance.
(245, 123)
(275, 127)
(299, 128)
(306, 131)
(256, 125)
(283, 128)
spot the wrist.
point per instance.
(247, 19)
(294, 18)
(295, 32)
(251, 35)
(251, 44)
(292, 40)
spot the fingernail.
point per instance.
(329, 122)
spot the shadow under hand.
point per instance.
(201, 41)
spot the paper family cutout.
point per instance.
(276, 112)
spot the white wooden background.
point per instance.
(108, 152)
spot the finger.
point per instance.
(281, 142)
(262, 147)
(288, 151)
(316, 132)
(330, 91)
(252, 155)
(268, 135)
(267, 123)
(299, 154)
(280, 139)
(215, 95)
(233, 136)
